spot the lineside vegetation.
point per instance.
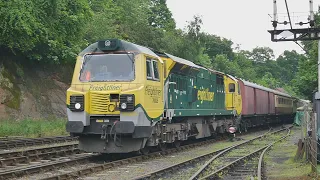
(33, 128)
(53, 32)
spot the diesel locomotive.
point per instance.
(128, 98)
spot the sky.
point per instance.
(244, 22)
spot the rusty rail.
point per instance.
(213, 174)
(23, 142)
(27, 156)
(109, 165)
(265, 150)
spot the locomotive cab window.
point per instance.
(155, 70)
(149, 69)
(232, 87)
(152, 70)
(107, 67)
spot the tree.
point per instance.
(269, 81)
(246, 66)
(104, 23)
(215, 45)
(160, 16)
(288, 65)
(221, 63)
(44, 30)
(191, 46)
(305, 81)
(261, 54)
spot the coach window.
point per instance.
(232, 87)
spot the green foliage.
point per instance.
(215, 45)
(221, 63)
(55, 31)
(269, 81)
(261, 54)
(104, 22)
(32, 128)
(159, 16)
(43, 30)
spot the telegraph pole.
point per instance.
(300, 34)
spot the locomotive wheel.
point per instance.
(162, 146)
(145, 150)
(176, 144)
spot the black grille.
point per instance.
(130, 105)
(76, 99)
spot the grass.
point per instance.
(33, 128)
(280, 161)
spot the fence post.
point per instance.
(314, 141)
(305, 127)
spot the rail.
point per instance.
(213, 155)
(23, 142)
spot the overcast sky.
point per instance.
(244, 22)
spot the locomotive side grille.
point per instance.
(99, 103)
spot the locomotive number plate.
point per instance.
(102, 120)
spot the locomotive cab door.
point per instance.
(230, 95)
(233, 95)
(153, 100)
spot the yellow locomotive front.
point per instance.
(116, 96)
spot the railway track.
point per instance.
(211, 170)
(44, 160)
(87, 171)
(232, 157)
(16, 142)
(127, 161)
(20, 157)
(45, 165)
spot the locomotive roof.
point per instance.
(183, 61)
(250, 84)
(233, 78)
(215, 71)
(117, 45)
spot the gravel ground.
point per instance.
(141, 168)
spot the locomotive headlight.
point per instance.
(77, 105)
(123, 106)
(127, 102)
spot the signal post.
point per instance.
(301, 34)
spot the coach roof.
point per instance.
(250, 84)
